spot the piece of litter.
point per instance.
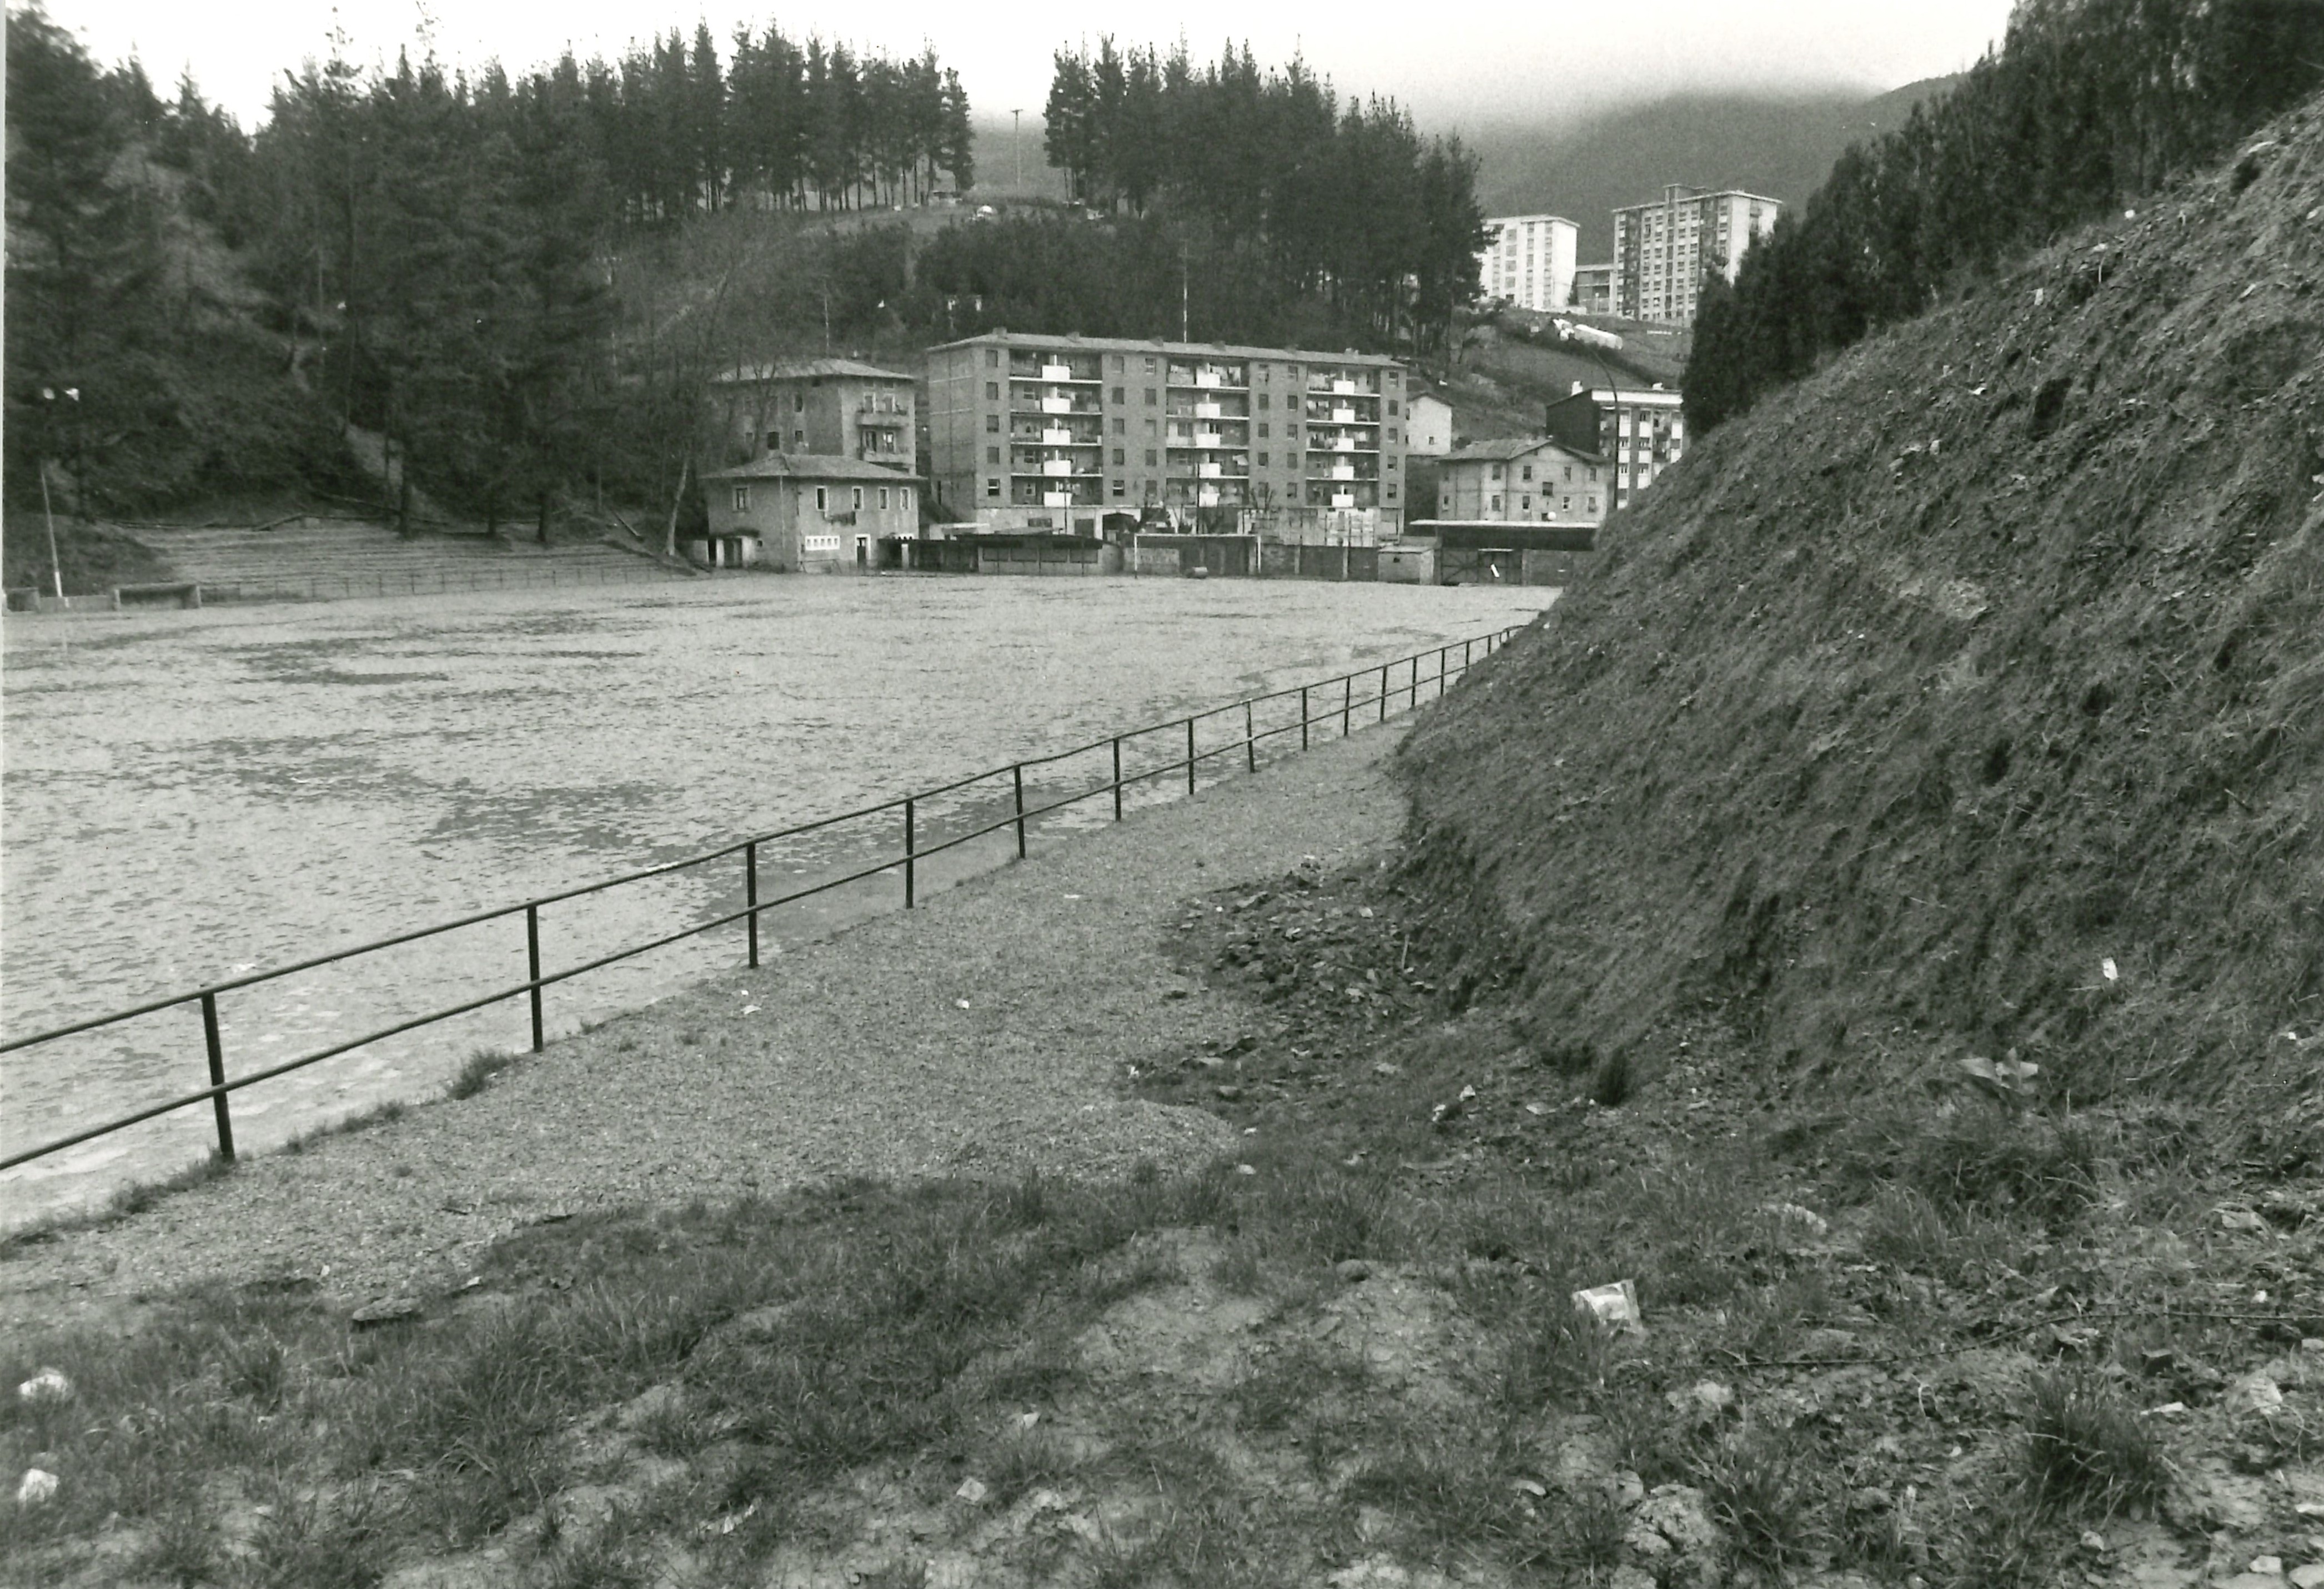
(970, 1491)
(1536, 1108)
(1026, 1420)
(750, 1009)
(962, 1003)
(1246, 1170)
(2267, 1566)
(2106, 970)
(2176, 1410)
(1614, 1306)
(1533, 1487)
(36, 1487)
(49, 1384)
(1073, 897)
(2240, 1220)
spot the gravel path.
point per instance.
(851, 1056)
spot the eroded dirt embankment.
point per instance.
(1967, 697)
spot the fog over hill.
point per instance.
(1781, 146)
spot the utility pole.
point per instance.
(1016, 144)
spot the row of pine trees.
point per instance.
(2088, 106)
(1277, 181)
(510, 291)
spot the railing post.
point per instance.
(908, 878)
(1442, 652)
(1190, 755)
(750, 893)
(1303, 717)
(1249, 738)
(1412, 697)
(1017, 774)
(1347, 702)
(218, 1076)
(1383, 698)
(533, 961)
(1117, 777)
(1464, 655)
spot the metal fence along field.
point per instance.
(923, 825)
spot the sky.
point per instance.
(1484, 61)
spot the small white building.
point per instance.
(1428, 426)
(798, 513)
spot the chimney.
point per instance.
(1576, 391)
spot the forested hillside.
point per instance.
(2089, 106)
(522, 283)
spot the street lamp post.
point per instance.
(47, 515)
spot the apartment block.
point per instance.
(1663, 250)
(1204, 431)
(1641, 433)
(822, 408)
(1530, 261)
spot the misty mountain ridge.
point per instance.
(1781, 145)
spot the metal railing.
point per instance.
(1451, 663)
(544, 575)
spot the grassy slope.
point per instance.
(95, 556)
(1983, 660)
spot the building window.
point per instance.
(1391, 435)
(904, 497)
(1120, 426)
(822, 499)
(774, 440)
(1497, 504)
(1121, 487)
(1529, 471)
(857, 502)
(992, 423)
(992, 488)
(992, 392)
(1292, 431)
(993, 358)
(1150, 365)
(1262, 460)
(799, 402)
(1150, 430)
(1149, 394)
(883, 499)
(1265, 400)
(1118, 457)
(992, 455)
(1118, 362)
(1391, 408)
(798, 441)
(1262, 430)
(1150, 459)
(742, 499)
(1525, 504)
(1496, 471)
(1121, 394)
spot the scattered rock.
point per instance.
(2311, 1576)
(49, 1385)
(970, 1491)
(1813, 1223)
(2254, 1395)
(36, 1488)
(387, 1310)
(1672, 1528)
(2267, 1566)
(1352, 1270)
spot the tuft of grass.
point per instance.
(1983, 1156)
(1906, 1229)
(1760, 1486)
(2087, 1450)
(129, 1201)
(1613, 1081)
(477, 1073)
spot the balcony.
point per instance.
(1208, 411)
(1056, 466)
(1057, 405)
(1056, 499)
(1343, 472)
(1057, 372)
(1209, 470)
(1057, 438)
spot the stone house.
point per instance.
(801, 513)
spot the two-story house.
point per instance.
(829, 407)
(795, 513)
(1526, 480)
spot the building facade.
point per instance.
(797, 513)
(1529, 261)
(1593, 289)
(1527, 479)
(823, 408)
(1639, 433)
(1663, 250)
(1202, 431)
(1428, 427)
